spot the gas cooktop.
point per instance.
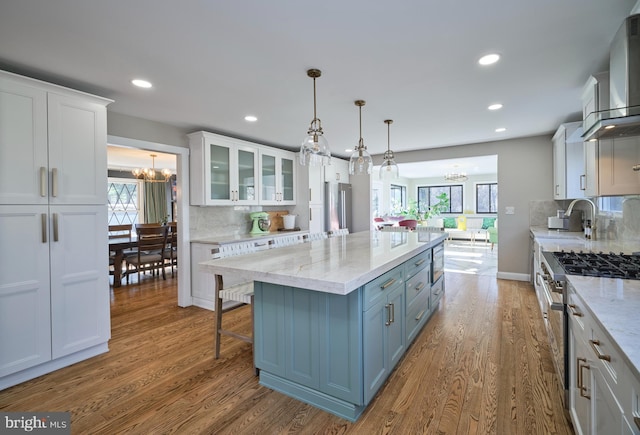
(601, 265)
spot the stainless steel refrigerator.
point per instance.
(337, 200)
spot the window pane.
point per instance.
(487, 198)
(123, 203)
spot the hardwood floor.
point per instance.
(480, 366)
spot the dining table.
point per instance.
(118, 245)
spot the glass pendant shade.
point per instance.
(360, 162)
(314, 149)
(389, 167)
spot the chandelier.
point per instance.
(456, 176)
(360, 161)
(315, 149)
(149, 174)
(389, 166)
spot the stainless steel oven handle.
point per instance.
(556, 306)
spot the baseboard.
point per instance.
(513, 276)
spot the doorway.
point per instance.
(181, 205)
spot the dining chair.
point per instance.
(409, 223)
(171, 252)
(150, 253)
(121, 231)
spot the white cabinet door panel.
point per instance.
(77, 151)
(23, 143)
(79, 279)
(25, 327)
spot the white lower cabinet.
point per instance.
(600, 384)
(54, 297)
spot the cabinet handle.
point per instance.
(420, 314)
(595, 346)
(310, 215)
(388, 283)
(388, 308)
(393, 313)
(636, 168)
(55, 227)
(419, 262)
(43, 217)
(583, 389)
(574, 310)
(54, 182)
(310, 194)
(583, 186)
(557, 192)
(419, 287)
(43, 181)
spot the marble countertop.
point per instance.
(223, 240)
(335, 265)
(615, 304)
(553, 240)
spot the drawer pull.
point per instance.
(43, 181)
(388, 308)
(388, 283)
(595, 346)
(419, 262)
(420, 287)
(420, 314)
(574, 310)
(583, 389)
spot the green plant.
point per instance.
(439, 207)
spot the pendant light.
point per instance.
(315, 149)
(389, 166)
(360, 162)
(149, 174)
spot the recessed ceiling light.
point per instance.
(348, 150)
(495, 106)
(141, 83)
(250, 118)
(489, 59)
(500, 129)
(609, 127)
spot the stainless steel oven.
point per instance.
(553, 300)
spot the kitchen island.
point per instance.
(333, 317)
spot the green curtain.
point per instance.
(155, 202)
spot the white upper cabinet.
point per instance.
(568, 166)
(224, 171)
(277, 177)
(337, 171)
(52, 145)
(619, 166)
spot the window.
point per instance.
(487, 198)
(124, 201)
(398, 198)
(611, 204)
(428, 195)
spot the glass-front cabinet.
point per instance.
(224, 171)
(277, 177)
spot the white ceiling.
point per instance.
(413, 61)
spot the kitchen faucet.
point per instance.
(593, 211)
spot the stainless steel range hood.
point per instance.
(623, 117)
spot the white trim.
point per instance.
(513, 276)
(182, 178)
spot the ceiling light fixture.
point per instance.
(250, 118)
(141, 83)
(315, 149)
(495, 106)
(149, 174)
(500, 129)
(456, 176)
(360, 162)
(489, 59)
(389, 166)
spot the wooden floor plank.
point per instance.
(481, 365)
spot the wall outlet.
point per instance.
(509, 210)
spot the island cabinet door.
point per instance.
(269, 327)
(383, 339)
